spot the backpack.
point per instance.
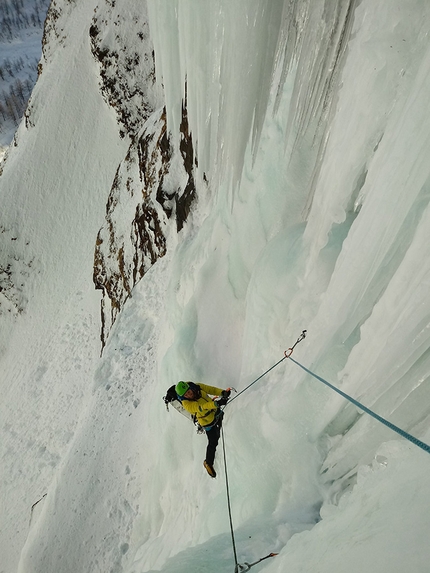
(170, 396)
(172, 399)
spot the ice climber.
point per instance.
(196, 400)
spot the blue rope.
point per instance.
(374, 415)
(401, 432)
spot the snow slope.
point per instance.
(313, 212)
(50, 316)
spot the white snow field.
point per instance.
(311, 126)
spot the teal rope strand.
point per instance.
(393, 427)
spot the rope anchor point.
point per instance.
(289, 351)
(242, 568)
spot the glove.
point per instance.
(225, 395)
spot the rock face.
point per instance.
(121, 44)
(145, 199)
(154, 185)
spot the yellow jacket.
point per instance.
(204, 408)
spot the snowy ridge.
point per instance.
(311, 210)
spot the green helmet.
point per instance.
(181, 388)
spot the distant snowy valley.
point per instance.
(193, 184)
(21, 27)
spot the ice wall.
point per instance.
(348, 84)
(319, 221)
(228, 54)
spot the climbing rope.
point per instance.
(228, 501)
(242, 568)
(287, 354)
(374, 415)
(238, 567)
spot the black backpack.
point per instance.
(172, 399)
(170, 396)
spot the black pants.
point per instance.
(213, 436)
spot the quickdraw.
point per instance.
(289, 351)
